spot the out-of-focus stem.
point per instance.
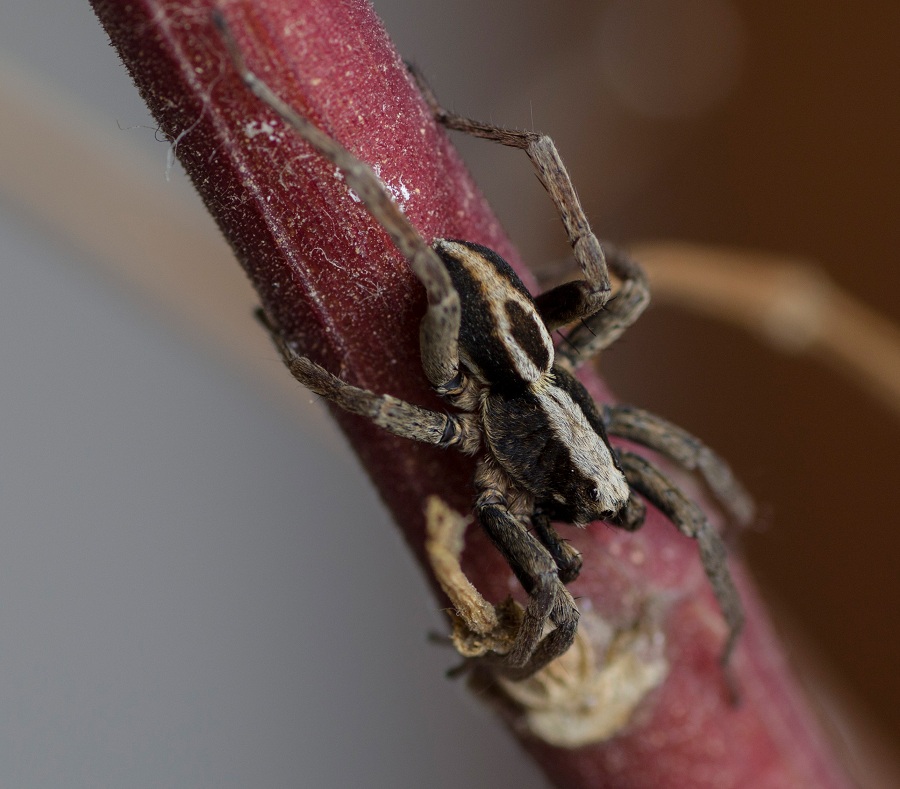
(789, 303)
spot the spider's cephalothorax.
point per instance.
(536, 419)
(541, 442)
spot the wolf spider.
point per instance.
(542, 447)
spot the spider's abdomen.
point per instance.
(502, 338)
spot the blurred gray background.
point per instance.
(186, 597)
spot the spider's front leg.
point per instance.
(549, 599)
(650, 430)
(663, 494)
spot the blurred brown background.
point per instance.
(767, 125)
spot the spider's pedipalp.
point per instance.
(567, 559)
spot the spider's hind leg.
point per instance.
(601, 329)
(587, 299)
(573, 300)
(440, 326)
(390, 413)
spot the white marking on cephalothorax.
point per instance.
(590, 454)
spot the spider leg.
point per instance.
(440, 326)
(572, 300)
(688, 451)
(390, 413)
(603, 328)
(550, 600)
(651, 483)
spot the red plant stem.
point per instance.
(335, 284)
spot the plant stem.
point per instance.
(331, 279)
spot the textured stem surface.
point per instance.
(331, 278)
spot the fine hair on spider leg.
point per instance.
(541, 444)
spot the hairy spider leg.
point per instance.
(572, 300)
(403, 419)
(604, 318)
(688, 451)
(600, 330)
(549, 599)
(439, 329)
(653, 485)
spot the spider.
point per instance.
(541, 443)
